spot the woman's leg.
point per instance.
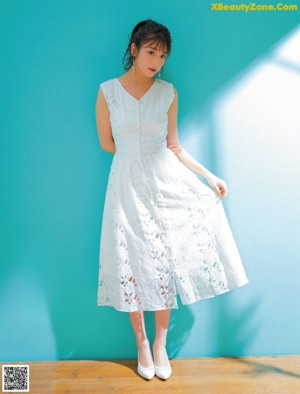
(162, 318)
(138, 324)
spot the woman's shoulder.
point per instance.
(107, 82)
(168, 87)
(164, 82)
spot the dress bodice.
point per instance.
(138, 126)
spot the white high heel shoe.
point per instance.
(163, 372)
(145, 372)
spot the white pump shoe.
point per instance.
(145, 372)
(163, 372)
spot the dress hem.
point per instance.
(183, 303)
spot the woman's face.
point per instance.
(150, 58)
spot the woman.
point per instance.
(163, 229)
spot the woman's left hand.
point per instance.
(218, 185)
(175, 148)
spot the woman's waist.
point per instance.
(140, 144)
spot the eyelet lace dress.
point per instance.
(164, 232)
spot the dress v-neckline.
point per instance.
(130, 95)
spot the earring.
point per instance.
(159, 74)
(133, 66)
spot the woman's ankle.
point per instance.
(159, 343)
(142, 343)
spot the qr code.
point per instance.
(15, 378)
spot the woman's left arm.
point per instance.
(173, 143)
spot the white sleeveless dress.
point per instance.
(163, 230)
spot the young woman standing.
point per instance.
(163, 230)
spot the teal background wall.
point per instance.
(238, 80)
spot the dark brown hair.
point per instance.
(144, 32)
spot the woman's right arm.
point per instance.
(103, 124)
